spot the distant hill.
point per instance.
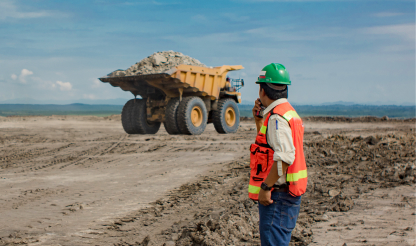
(53, 109)
(355, 110)
(122, 101)
(116, 101)
(376, 103)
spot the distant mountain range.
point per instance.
(116, 101)
(377, 103)
(122, 101)
(356, 110)
(393, 111)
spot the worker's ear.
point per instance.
(262, 93)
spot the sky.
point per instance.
(360, 51)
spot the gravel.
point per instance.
(158, 62)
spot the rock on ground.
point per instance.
(158, 62)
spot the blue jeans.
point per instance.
(278, 219)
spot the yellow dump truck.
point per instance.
(185, 98)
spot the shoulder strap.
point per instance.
(267, 129)
(286, 111)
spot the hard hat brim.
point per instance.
(273, 82)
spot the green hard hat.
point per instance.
(274, 73)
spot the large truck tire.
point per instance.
(171, 122)
(192, 116)
(126, 117)
(226, 118)
(139, 119)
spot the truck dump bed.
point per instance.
(178, 81)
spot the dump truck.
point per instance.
(185, 99)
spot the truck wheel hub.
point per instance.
(230, 116)
(196, 116)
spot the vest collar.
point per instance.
(273, 105)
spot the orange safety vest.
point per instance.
(261, 156)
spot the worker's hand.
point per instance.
(265, 197)
(257, 107)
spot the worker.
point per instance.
(278, 176)
(228, 86)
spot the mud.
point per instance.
(82, 181)
(158, 62)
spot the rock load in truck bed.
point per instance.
(159, 62)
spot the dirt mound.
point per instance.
(159, 62)
(346, 167)
(341, 169)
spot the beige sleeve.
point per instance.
(279, 137)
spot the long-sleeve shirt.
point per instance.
(279, 137)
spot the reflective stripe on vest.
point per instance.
(263, 129)
(253, 189)
(290, 114)
(293, 177)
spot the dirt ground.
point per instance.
(79, 180)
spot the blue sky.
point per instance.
(359, 51)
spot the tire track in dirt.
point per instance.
(114, 145)
(22, 139)
(54, 160)
(97, 154)
(29, 156)
(32, 195)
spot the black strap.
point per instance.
(286, 190)
(257, 179)
(285, 185)
(259, 169)
(264, 145)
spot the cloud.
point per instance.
(23, 74)
(131, 3)
(235, 17)
(230, 37)
(199, 18)
(291, 33)
(89, 96)
(64, 86)
(387, 14)
(157, 3)
(96, 83)
(8, 9)
(406, 31)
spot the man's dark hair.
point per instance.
(274, 94)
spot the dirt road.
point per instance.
(71, 180)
